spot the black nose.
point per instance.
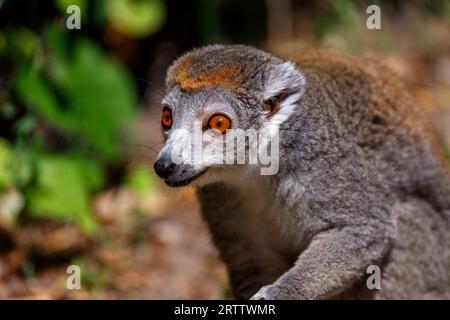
(164, 167)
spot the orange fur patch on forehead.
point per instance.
(229, 76)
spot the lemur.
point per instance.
(361, 181)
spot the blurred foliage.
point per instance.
(62, 188)
(64, 4)
(64, 92)
(231, 21)
(136, 18)
(67, 111)
(94, 275)
(6, 159)
(13, 169)
(140, 179)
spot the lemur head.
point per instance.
(212, 92)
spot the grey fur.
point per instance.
(360, 183)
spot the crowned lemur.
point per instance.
(360, 180)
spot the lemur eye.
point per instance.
(219, 122)
(166, 118)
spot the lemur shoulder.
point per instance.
(361, 180)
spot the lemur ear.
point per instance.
(272, 104)
(283, 89)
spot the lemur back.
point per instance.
(379, 114)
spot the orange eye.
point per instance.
(166, 118)
(219, 122)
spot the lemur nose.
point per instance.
(164, 167)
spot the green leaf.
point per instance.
(86, 94)
(136, 18)
(6, 160)
(101, 97)
(14, 170)
(19, 43)
(63, 4)
(140, 179)
(37, 94)
(63, 187)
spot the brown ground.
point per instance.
(134, 256)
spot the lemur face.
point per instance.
(222, 102)
(195, 127)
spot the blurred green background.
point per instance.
(79, 129)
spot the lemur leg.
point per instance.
(335, 260)
(248, 267)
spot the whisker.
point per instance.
(145, 146)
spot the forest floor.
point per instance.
(133, 256)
